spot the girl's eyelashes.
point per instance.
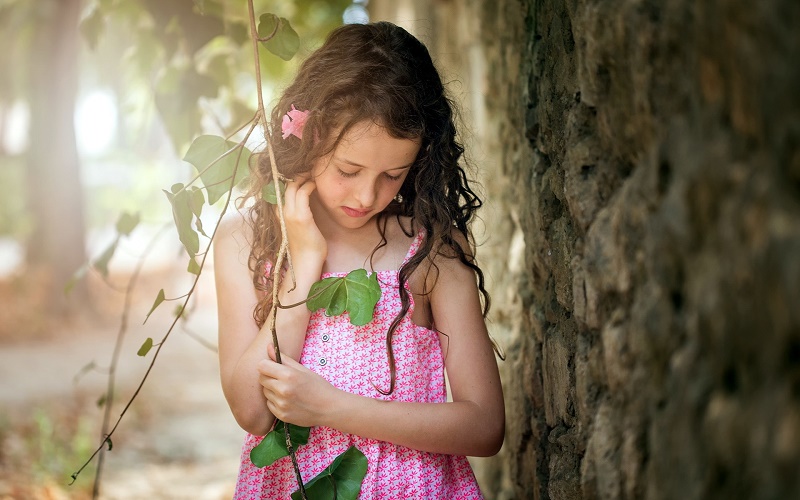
(393, 177)
(347, 175)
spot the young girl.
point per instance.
(366, 136)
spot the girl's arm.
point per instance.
(242, 345)
(472, 424)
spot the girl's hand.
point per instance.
(294, 393)
(305, 238)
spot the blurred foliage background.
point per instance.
(99, 101)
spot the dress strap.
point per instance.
(415, 244)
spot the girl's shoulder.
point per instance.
(234, 235)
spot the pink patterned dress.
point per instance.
(354, 359)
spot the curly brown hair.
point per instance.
(380, 73)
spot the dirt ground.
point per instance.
(178, 440)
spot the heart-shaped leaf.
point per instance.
(216, 160)
(283, 40)
(183, 214)
(273, 446)
(357, 293)
(341, 480)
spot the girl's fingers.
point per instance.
(296, 200)
(290, 194)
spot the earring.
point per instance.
(398, 198)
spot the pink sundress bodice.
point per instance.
(354, 359)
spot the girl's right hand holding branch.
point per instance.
(242, 345)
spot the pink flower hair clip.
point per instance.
(293, 123)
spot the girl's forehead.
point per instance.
(370, 144)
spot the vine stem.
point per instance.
(283, 250)
(160, 345)
(123, 328)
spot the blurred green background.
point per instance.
(99, 101)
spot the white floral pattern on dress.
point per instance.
(354, 359)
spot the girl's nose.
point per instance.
(367, 192)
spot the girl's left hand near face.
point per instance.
(305, 238)
(294, 393)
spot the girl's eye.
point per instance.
(347, 175)
(393, 177)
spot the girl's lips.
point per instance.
(352, 212)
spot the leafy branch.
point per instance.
(106, 433)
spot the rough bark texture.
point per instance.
(641, 161)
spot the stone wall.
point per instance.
(641, 163)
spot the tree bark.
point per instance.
(641, 161)
(56, 245)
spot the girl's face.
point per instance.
(361, 176)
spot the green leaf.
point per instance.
(101, 263)
(159, 299)
(341, 480)
(198, 224)
(194, 267)
(127, 223)
(109, 443)
(196, 200)
(146, 346)
(268, 193)
(283, 41)
(181, 201)
(216, 160)
(177, 92)
(357, 293)
(101, 401)
(273, 446)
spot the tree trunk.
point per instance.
(57, 243)
(641, 161)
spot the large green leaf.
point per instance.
(283, 39)
(273, 446)
(183, 214)
(341, 480)
(216, 160)
(357, 293)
